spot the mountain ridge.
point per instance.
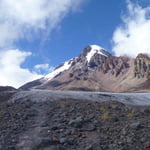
(95, 69)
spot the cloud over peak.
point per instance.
(132, 37)
(19, 17)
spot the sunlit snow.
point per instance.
(67, 65)
(51, 75)
(94, 49)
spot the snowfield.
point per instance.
(140, 99)
(65, 66)
(94, 49)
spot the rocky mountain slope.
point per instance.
(7, 88)
(63, 120)
(97, 70)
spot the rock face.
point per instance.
(142, 66)
(97, 70)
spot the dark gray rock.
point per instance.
(56, 147)
(67, 141)
(114, 119)
(136, 125)
(45, 142)
(124, 131)
(63, 140)
(54, 128)
(97, 145)
(89, 147)
(76, 122)
(44, 124)
(129, 139)
(89, 127)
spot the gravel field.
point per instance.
(142, 99)
(60, 120)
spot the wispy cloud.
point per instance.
(24, 20)
(133, 36)
(46, 68)
(20, 18)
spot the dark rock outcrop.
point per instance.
(7, 88)
(142, 66)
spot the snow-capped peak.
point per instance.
(95, 49)
(65, 66)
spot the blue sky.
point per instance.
(93, 24)
(36, 35)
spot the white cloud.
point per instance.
(133, 36)
(22, 18)
(46, 68)
(12, 73)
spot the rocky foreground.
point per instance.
(72, 124)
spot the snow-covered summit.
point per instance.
(96, 49)
(64, 67)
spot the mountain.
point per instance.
(7, 88)
(95, 69)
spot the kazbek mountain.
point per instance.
(95, 69)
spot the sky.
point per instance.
(36, 36)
